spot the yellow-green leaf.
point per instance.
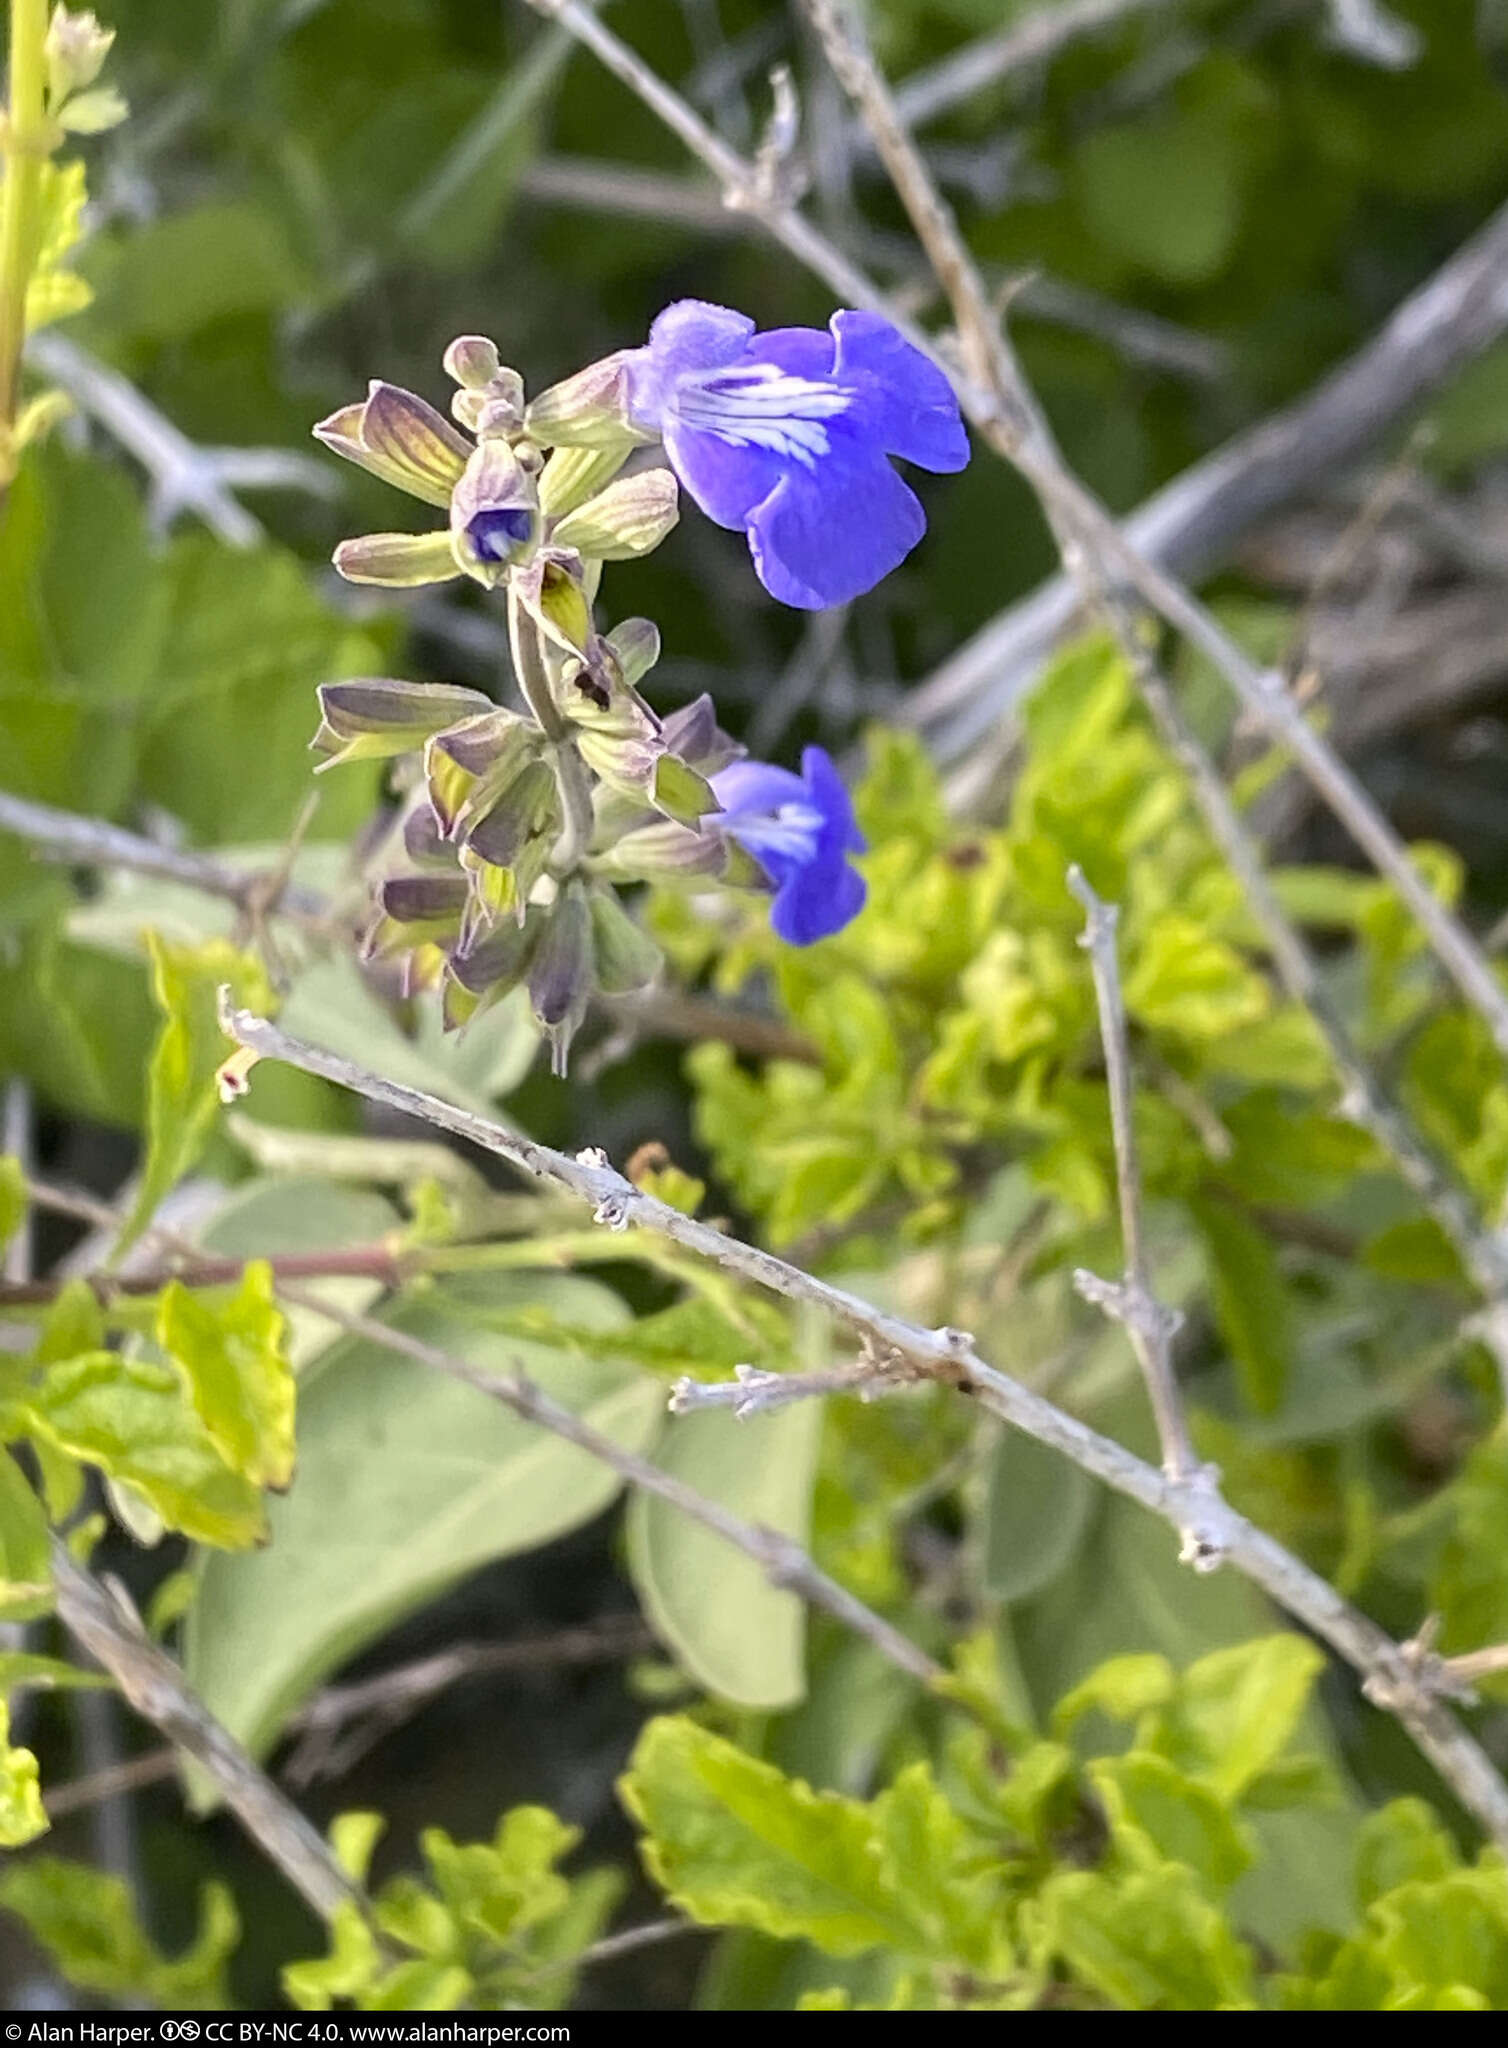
(735, 1843)
(21, 1816)
(233, 1362)
(134, 1420)
(88, 1921)
(181, 1096)
(25, 1572)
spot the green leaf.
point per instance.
(21, 1670)
(446, 1480)
(938, 1865)
(12, 1199)
(87, 1921)
(501, 1888)
(1037, 1509)
(734, 1843)
(1449, 1932)
(1151, 1942)
(736, 1633)
(1125, 1688)
(1236, 1710)
(1184, 981)
(303, 1212)
(175, 275)
(1252, 1303)
(348, 1971)
(1157, 1815)
(1402, 1843)
(53, 290)
(231, 1357)
(181, 1098)
(133, 1419)
(1469, 1589)
(22, 1817)
(25, 1567)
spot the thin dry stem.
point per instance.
(157, 1689)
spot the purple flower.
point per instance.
(787, 435)
(800, 829)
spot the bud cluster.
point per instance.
(75, 51)
(517, 826)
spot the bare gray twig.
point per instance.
(1190, 525)
(90, 842)
(157, 1689)
(185, 477)
(949, 1356)
(1033, 41)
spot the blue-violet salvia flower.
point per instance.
(787, 434)
(801, 829)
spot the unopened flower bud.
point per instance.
(560, 973)
(422, 838)
(482, 972)
(417, 915)
(507, 850)
(694, 735)
(589, 410)
(472, 360)
(75, 49)
(397, 436)
(626, 957)
(629, 518)
(468, 766)
(572, 475)
(667, 852)
(376, 717)
(397, 561)
(635, 645)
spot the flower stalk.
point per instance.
(29, 139)
(517, 830)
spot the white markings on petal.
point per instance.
(759, 405)
(790, 832)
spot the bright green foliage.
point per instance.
(21, 1816)
(1126, 1794)
(132, 1419)
(25, 1572)
(959, 1875)
(181, 1096)
(233, 1363)
(959, 1008)
(496, 1925)
(734, 1843)
(55, 290)
(87, 1921)
(1433, 1934)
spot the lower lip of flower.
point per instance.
(499, 532)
